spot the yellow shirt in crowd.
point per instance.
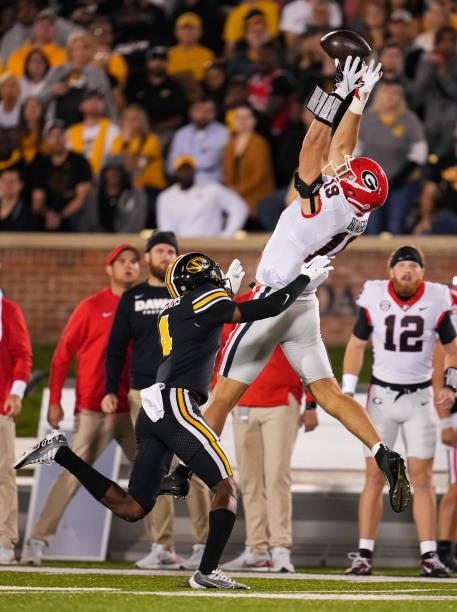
(151, 172)
(189, 60)
(16, 64)
(234, 25)
(117, 67)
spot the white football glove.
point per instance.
(235, 275)
(371, 75)
(351, 73)
(317, 270)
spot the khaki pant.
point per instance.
(8, 488)
(163, 513)
(264, 440)
(92, 432)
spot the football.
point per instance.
(339, 44)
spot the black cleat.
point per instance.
(432, 567)
(393, 466)
(177, 482)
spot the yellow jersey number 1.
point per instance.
(165, 339)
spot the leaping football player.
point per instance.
(337, 193)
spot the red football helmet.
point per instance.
(363, 181)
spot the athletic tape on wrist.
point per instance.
(450, 378)
(349, 383)
(324, 106)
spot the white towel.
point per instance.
(151, 398)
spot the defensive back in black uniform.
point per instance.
(170, 421)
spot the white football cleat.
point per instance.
(43, 451)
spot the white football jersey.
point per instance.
(404, 333)
(297, 238)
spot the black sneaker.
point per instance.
(43, 451)
(176, 483)
(432, 567)
(393, 466)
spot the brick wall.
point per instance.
(49, 274)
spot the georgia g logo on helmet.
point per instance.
(197, 264)
(370, 180)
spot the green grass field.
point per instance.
(27, 423)
(118, 588)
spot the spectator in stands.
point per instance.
(135, 323)
(287, 145)
(438, 200)
(210, 12)
(214, 84)
(270, 88)
(43, 38)
(235, 22)
(31, 123)
(15, 212)
(113, 203)
(245, 54)
(10, 96)
(85, 337)
(401, 32)
(67, 84)
(10, 155)
(60, 181)
(435, 90)
(393, 136)
(102, 31)
(312, 66)
(393, 69)
(15, 367)
(20, 32)
(203, 139)
(142, 154)
(248, 167)
(296, 19)
(36, 68)
(94, 136)
(265, 426)
(190, 208)
(188, 55)
(24, 15)
(373, 25)
(436, 16)
(161, 96)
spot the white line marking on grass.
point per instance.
(373, 596)
(37, 588)
(261, 575)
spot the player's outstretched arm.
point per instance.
(318, 268)
(346, 134)
(317, 140)
(352, 364)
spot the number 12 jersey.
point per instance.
(404, 333)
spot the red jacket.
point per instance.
(15, 349)
(86, 336)
(277, 379)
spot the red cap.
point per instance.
(118, 250)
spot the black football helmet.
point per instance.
(191, 270)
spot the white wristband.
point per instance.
(445, 423)
(18, 388)
(349, 384)
(357, 105)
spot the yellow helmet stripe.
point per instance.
(169, 278)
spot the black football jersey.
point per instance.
(190, 329)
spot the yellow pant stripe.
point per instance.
(204, 430)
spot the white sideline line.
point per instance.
(203, 593)
(262, 575)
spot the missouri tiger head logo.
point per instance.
(197, 264)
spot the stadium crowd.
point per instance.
(186, 115)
